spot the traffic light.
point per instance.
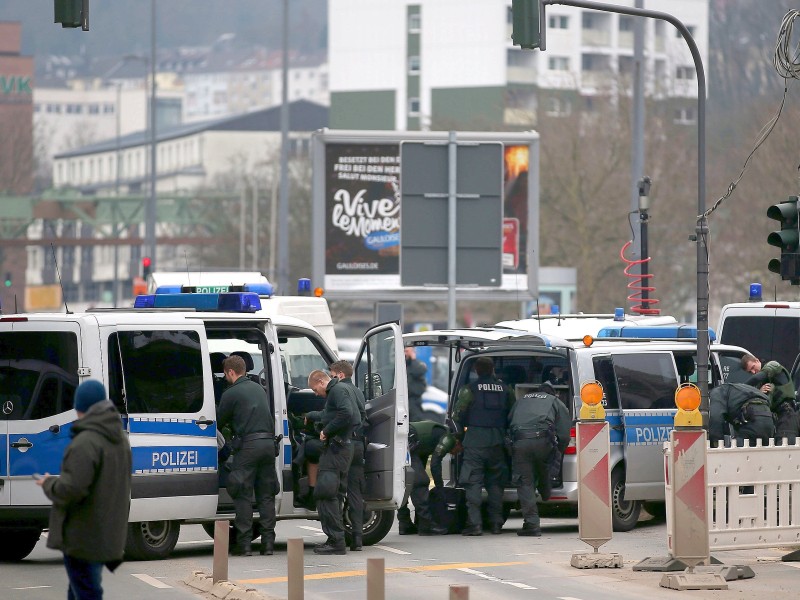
(527, 31)
(7, 280)
(787, 239)
(146, 267)
(72, 13)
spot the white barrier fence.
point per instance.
(752, 494)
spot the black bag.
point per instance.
(448, 508)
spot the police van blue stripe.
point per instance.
(165, 459)
(287, 455)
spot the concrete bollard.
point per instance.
(221, 540)
(459, 592)
(294, 550)
(376, 581)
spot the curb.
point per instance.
(224, 590)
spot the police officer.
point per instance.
(356, 480)
(337, 420)
(539, 424)
(424, 440)
(245, 408)
(743, 407)
(482, 412)
(774, 380)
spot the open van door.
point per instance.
(380, 373)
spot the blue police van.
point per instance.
(158, 362)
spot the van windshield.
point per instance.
(774, 338)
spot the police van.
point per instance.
(160, 364)
(639, 378)
(769, 330)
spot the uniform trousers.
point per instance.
(332, 487)
(530, 466)
(484, 467)
(253, 472)
(356, 483)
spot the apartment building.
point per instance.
(421, 64)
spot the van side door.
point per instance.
(39, 362)
(160, 380)
(380, 372)
(646, 383)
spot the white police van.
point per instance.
(639, 378)
(156, 363)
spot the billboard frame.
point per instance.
(516, 287)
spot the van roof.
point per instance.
(575, 326)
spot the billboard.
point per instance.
(358, 215)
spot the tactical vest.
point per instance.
(488, 408)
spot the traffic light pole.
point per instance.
(701, 229)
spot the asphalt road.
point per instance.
(493, 566)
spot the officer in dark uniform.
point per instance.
(539, 423)
(774, 380)
(337, 418)
(743, 407)
(424, 440)
(482, 412)
(245, 408)
(356, 480)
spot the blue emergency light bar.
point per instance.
(668, 332)
(244, 302)
(262, 289)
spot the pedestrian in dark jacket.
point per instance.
(774, 380)
(416, 372)
(338, 418)
(91, 497)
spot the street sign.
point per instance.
(425, 188)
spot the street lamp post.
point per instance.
(701, 229)
(150, 208)
(283, 200)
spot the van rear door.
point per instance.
(380, 372)
(39, 363)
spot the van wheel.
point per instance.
(151, 540)
(377, 523)
(624, 514)
(17, 543)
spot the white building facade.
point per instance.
(413, 64)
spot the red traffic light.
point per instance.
(146, 262)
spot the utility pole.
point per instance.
(283, 201)
(150, 209)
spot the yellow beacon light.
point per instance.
(687, 399)
(592, 398)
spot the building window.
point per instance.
(659, 25)
(415, 22)
(37, 108)
(685, 116)
(516, 57)
(558, 63)
(626, 23)
(94, 109)
(413, 65)
(413, 106)
(591, 21)
(684, 73)
(558, 22)
(558, 107)
(108, 109)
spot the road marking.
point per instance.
(34, 587)
(339, 574)
(316, 530)
(390, 549)
(528, 554)
(567, 598)
(151, 581)
(189, 542)
(497, 579)
(793, 565)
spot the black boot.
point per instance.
(472, 530)
(331, 549)
(241, 549)
(528, 529)
(357, 544)
(407, 528)
(267, 545)
(428, 527)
